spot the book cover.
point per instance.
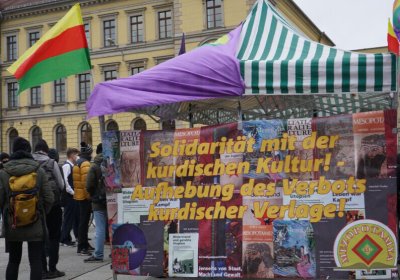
(300, 128)
(391, 141)
(258, 253)
(130, 158)
(341, 125)
(152, 263)
(263, 130)
(221, 243)
(111, 154)
(294, 249)
(250, 214)
(162, 163)
(183, 255)
(370, 145)
(187, 137)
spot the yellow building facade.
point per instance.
(125, 37)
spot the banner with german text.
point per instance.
(295, 198)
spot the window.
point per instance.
(139, 124)
(137, 70)
(109, 33)
(12, 90)
(11, 137)
(36, 136)
(168, 125)
(35, 96)
(87, 32)
(61, 138)
(33, 37)
(162, 59)
(164, 24)
(59, 91)
(12, 47)
(86, 133)
(84, 86)
(112, 126)
(214, 13)
(136, 29)
(110, 75)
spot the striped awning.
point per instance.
(277, 59)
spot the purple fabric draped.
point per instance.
(206, 72)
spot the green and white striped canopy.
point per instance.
(277, 59)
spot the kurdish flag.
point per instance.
(393, 42)
(62, 51)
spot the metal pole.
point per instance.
(240, 116)
(190, 116)
(102, 126)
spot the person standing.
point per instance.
(54, 217)
(71, 209)
(22, 165)
(4, 158)
(81, 195)
(96, 188)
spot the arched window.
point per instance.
(112, 126)
(11, 137)
(168, 125)
(36, 135)
(139, 124)
(61, 138)
(86, 133)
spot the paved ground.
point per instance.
(70, 263)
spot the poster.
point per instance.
(298, 198)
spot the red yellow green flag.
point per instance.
(393, 43)
(62, 51)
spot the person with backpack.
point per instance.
(71, 208)
(54, 217)
(96, 188)
(81, 195)
(27, 198)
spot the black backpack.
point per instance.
(48, 167)
(100, 193)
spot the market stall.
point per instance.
(296, 177)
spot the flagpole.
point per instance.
(102, 123)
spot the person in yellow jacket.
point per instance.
(79, 174)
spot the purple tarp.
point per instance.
(206, 72)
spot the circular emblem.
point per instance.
(365, 244)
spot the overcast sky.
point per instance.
(351, 24)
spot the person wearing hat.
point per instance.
(22, 163)
(4, 158)
(79, 174)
